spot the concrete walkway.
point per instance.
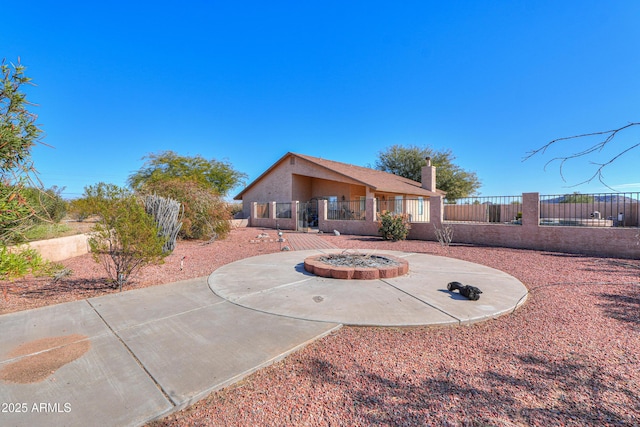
(158, 349)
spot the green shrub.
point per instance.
(393, 226)
(19, 262)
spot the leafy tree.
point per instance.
(408, 162)
(18, 134)
(206, 215)
(167, 165)
(125, 238)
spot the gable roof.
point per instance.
(377, 180)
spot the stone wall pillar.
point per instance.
(531, 210)
(436, 210)
(370, 210)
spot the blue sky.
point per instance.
(248, 81)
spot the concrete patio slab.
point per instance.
(278, 284)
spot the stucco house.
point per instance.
(307, 179)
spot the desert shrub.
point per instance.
(444, 234)
(79, 209)
(393, 226)
(125, 238)
(48, 205)
(206, 215)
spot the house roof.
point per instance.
(377, 180)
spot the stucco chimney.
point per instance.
(429, 176)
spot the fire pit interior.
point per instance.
(356, 266)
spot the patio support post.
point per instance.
(370, 209)
(322, 214)
(294, 213)
(272, 211)
(530, 209)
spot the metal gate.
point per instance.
(308, 215)
(494, 213)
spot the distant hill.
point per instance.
(592, 198)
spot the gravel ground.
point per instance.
(88, 278)
(570, 356)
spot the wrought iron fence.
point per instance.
(353, 210)
(590, 210)
(283, 210)
(489, 209)
(262, 210)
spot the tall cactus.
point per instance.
(168, 216)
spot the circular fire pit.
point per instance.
(356, 266)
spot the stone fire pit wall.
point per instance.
(314, 265)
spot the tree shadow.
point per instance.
(624, 308)
(543, 392)
(47, 288)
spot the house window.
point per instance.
(420, 206)
(363, 203)
(333, 203)
(398, 205)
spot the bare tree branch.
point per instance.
(599, 146)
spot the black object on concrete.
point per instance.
(468, 291)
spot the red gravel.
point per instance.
(88, 279)
(569, 356)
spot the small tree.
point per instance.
(125, 238)
(215, 175)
